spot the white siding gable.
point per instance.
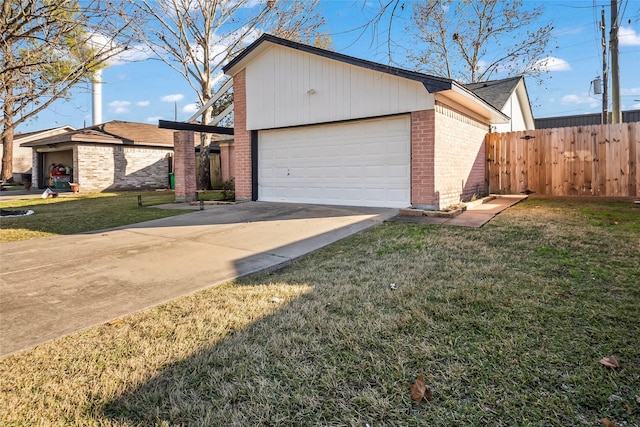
(512, 109)
(286, 87)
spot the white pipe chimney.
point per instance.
(96, 92)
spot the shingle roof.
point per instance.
(495, 92)
(19, 136)
(114, 132)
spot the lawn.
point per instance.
(81, 213)
(506, 323)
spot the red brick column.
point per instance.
(241, 138)
(184, 166)
(422, 160)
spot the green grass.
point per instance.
(12, 187)
(81, 213)
(507, 324)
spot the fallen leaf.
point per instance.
(340, 252)
(610, 362)
(420, 391)
(608, 423)
(114, 322)
(628, 408)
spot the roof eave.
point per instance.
(44, 134)
(477, 104)
(71, 139)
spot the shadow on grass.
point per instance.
(507, 324)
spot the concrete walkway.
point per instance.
(475, 216)
(56, 286)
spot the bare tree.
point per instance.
(471, 40)
(49, 46)
(197, 37)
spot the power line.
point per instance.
(623, 10)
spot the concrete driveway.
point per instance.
(56, 286)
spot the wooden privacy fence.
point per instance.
(598, 160)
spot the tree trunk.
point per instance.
(7, 134)
(6, 174)
(204, 174)
(7, 155)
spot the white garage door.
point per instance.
(363, 163)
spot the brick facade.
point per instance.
(447, 157)
(184, 166)
(116, 167)
(242, 138)
(422, 159)
(459, 168)
(447, 154)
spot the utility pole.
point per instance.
(616, 115)
(605, 74)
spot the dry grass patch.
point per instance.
(69, 381)
(507, 324)
(81, 213)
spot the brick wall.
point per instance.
(242, 139)
(184, 166)
(422, 160)
(459, 156)
(117, 167)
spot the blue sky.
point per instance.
(149, 90)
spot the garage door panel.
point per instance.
(364, 163)
(398, 172)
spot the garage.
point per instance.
(319, 127)
(355, 163)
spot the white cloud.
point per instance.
(633, 91)
(172, 98)
(580, 99)
(628, 37)
(636, 106)
(219, 47)
(97, 42)
(190, 108)
(119, 107)
(482, 65)
(154, 119)
(143, 103)
(551, 63)
(135, 53)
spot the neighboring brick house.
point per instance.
(116, 155)
(315, 126)
(22, 155)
